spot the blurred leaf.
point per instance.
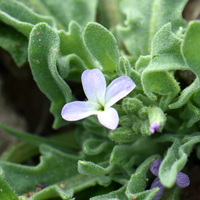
(20, 153)
(43, 49)
(191, 48)
(145, 18)
(21, 17)
(82, 11)
(15, 43)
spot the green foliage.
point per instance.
(149, 42)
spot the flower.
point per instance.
(100, 98)
(182, 179)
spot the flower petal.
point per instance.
(78, 110)
(94, 85)
(155, 166)
(109, 118)
(182, 180)
(157, 183)
(118, 88)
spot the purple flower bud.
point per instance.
(182, 180)
(154, 127)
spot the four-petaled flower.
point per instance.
(100, 98)
(182, 179)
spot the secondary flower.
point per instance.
(182, 179)
(100, 98)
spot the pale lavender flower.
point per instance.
(182, 179)
(154, 127)
(100, 98)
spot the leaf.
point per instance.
(6, 193)
(95, 146)
(114, 195)
(43, 49)
(30, 138)
(162, 83)
(102, 45)
(176, 157)
(190, 113)
(144, 19)
(82, 11)
(190, 50)
(71, 42)
(137, 183)
(21, 17)
(15, 43)
(190, 47)
(186, 94)
(90, 168)
(51, 192)
(20, 153)
(55, 168)
(142, 63)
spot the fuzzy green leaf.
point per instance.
(95, 146)
(102, 45)
(137, 183)
(90, 168)
(43, 49)
(6, 193)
